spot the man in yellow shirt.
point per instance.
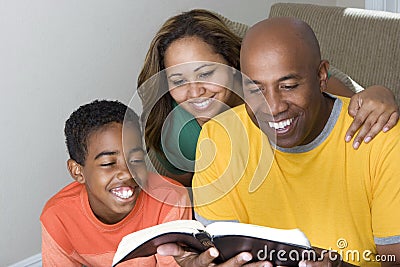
(302, 175)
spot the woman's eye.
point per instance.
(178, 82)
(206, 74)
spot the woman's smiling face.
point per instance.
(198, 78)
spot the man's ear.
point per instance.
(323, 75)
(75, 170)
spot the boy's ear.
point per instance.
(323, 75)
(75, 169)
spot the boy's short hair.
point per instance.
(90, 117)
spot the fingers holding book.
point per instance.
(189, 258)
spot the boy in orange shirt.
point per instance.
(112, 195)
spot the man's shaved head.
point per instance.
(288, 35)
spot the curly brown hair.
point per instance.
(90, 117)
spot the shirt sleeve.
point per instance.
(385, 186)
(53, 254)
(181, 207)
(177, 207)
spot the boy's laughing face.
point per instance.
(111, 170)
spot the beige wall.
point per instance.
(351, 3)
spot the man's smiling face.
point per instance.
(282, 88)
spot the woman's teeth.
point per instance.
(202, 104)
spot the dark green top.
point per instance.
(179, 137)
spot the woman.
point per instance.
(201, 37)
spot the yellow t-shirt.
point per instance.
(342, 199)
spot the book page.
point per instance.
(135, 239)
(291, 236)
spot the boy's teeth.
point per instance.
(281, 124)
(122, 192)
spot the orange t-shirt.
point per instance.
(73, 236)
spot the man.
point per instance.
(343, 200)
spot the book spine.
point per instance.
(205, 239)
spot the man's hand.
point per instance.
(205, 259)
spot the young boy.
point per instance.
(112, 195)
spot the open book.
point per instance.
(282, 247)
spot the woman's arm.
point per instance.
(373, 109)
(336, 87)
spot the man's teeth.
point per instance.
(126, 193)
(280, 125)
(203, 103)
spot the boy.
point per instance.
(112, 195)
